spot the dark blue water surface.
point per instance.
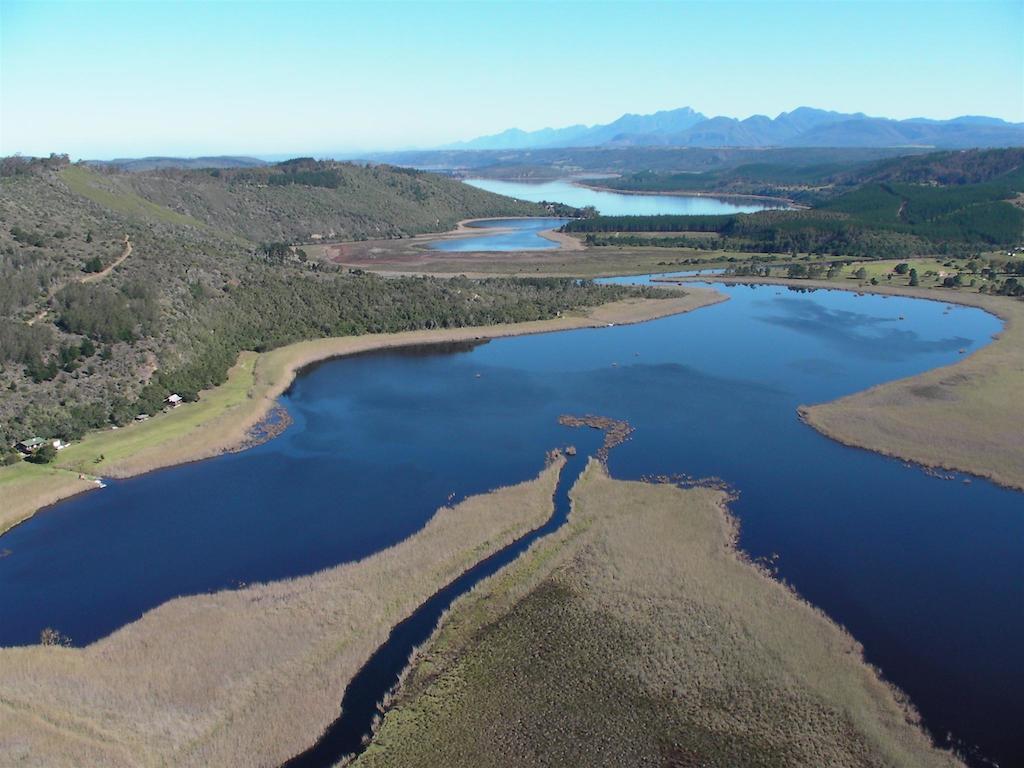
(927, 573)
(509, 235)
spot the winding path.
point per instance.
(91, 278)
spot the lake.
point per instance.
(619, 203)
(927, 573)
(505, 235)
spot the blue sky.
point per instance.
(126, 79)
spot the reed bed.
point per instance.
(637, 635)
(244, 677)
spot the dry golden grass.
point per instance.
(968, 416)
(637, 636)
(25, 487)
(223, 417)
(965, 417)
(247, 677)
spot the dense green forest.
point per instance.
(557, 163)
(872, 219)
(814, 178)
(198, 287)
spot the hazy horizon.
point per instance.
(155, 78)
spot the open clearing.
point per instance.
(244, 677)
(637, 636)
(102, 190)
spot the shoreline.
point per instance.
(258, 669)
(854, 420)
(273, 373)
(684, 193)
(697, 518)
(580, 182)
(463, 231)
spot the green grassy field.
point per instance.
(102, 450)
(103, 191)
(883, 269)
(132, 449)
(636, 636)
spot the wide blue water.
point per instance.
(508, 235)
(618, 203)
(927, 573)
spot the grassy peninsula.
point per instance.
(636, 635)
(244, 677)
(966, 416)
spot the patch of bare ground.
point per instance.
(245, 677)
(637, 635)
(573, 258)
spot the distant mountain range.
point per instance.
(803, 127)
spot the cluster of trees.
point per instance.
(813, 177)
(269, 311)
(876, 221)
(105, 313)
(36, 239)
(33, 346)
(17, 165)
(23, 278)
(958, 202)
(324, 178)
(21, 343)
(569, 211)
(659, 223)
(969, 213)
(1011, 286)
(93, 264)
(765, 232)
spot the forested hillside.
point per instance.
(812, 178)
(303, 200)
(951, 202)
(90, 337)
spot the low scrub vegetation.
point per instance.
(637, 636)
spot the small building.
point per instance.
(29, 445)
(142, 417)
(174, 400)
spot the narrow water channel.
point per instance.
(349, 734)
(927, 573)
